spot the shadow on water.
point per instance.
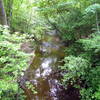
(43, 74)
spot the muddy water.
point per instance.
(42, 73)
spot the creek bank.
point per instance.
(43, 73)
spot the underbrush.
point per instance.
(82, 69)
(12, 62)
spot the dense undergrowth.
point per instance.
(12, 61)
(77, 22)
(83, 69)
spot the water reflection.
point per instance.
(40, 71)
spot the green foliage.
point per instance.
(93, 8)
(93, 83)
(31, 87)
(76, 68)
(12, 61)
(22, 17)
(84, 67)
(91, 44)
(74, 20)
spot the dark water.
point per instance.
(43, 73)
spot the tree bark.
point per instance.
(97, 22)
(3, 19)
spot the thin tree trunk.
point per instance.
(3, 19)
(97, 23)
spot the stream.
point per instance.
(43, 73)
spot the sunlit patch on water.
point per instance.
(45, 68)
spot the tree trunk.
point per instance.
(97, 22)
(3, 19)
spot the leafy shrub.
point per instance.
(76, 68)
(85, 67)
(72, 19)
(93, 83)
(91, 44)
(12, 61)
